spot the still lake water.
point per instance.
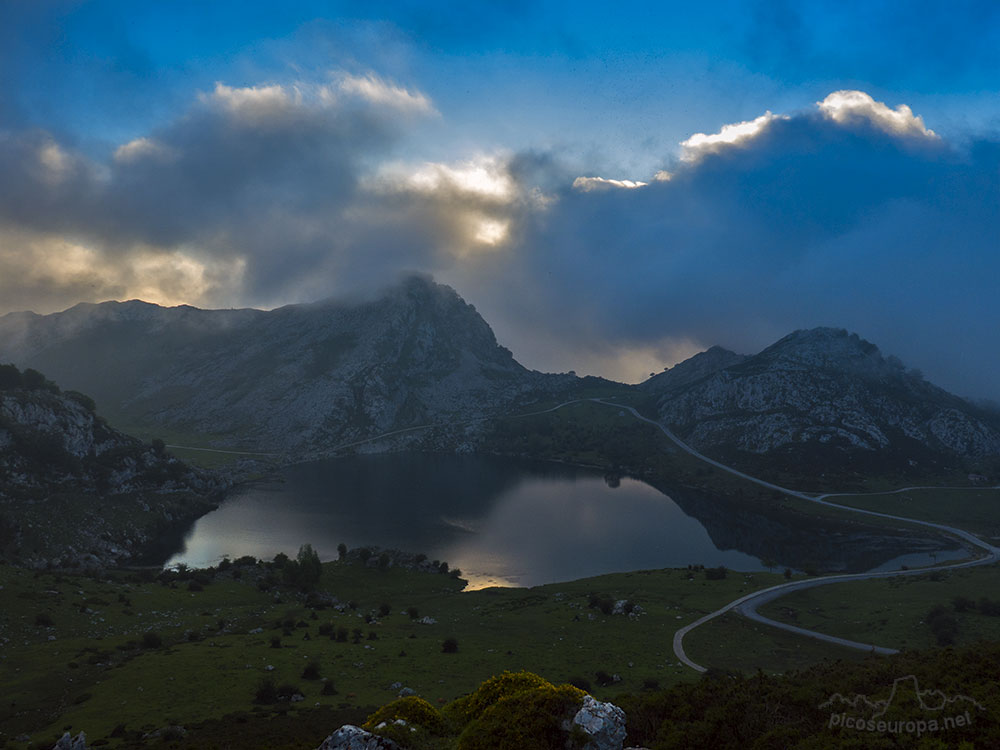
(501, 521)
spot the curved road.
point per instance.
(747, 605)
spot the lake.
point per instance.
(504, 521)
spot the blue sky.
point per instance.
(242, 153)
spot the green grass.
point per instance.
(95, 675)
(890, 612)
(972, 509)
(733, 643)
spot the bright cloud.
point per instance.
(735, 134)
(375, 90)
(142, 148)
(586, 184)
(844, 107)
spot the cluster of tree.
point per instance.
(12, 378)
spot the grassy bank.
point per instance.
(120, 649)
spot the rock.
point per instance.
(350, 737)
(604, 722)
(71, 743)
(406, 692)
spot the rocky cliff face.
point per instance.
(823, 397)
(75, 491)
(300, 379)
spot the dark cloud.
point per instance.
(813, 221)
(850, 214)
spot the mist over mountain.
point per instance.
(298, 378)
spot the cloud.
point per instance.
(843, 107)
(586, 184)
(731, 135)
(850, 213)
(375, 90)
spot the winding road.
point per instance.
(747, 605)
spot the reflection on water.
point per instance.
(501, 521)
(514, 522)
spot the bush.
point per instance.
(412, 710)
(384, 610)
(342, 551)
(943, 624)
(151, 640)
(268, 692)
(450, 646)
(413, 612)
(530, 720)
(275, 641)
(580, 682)
(43, 620)
(716, 574)
(311, 672)
(492, 691)
(328, 689)
(962, 603)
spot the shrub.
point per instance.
(151, 640)
(326, 628)
(311, 672)
(328, 689)
(384, 610)
(530, 720)
(450, 646)
(962, 603)
(341, 635)
(275, 641)
(365, 554)
(580, 682)
(493, 690)
(716, 574)
(43, 620)
(943, 624)
(342, 551)
(412, 710)
(413, 612)
(989, 607)
(603, 678)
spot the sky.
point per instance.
(613, 186)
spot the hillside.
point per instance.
(824, 400)
(74, 491)
(299, 379)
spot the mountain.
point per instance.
(73, 490)
(693, 369)
(822, 400)
(300, 379)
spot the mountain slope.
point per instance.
(72, 489)
(825, 400)
(299, 379)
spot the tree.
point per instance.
(10, 377)
(342, 550)
(310, 569)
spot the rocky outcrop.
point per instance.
(827, 393)
(68, 742)
(75, 492)
(604, 722)
(350, 737)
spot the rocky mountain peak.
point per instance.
(827, 349)
(694, 368)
